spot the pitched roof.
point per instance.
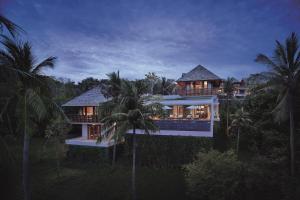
(199, 73)
(92, 97)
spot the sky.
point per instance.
(91, 38)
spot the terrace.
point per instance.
(186, 116)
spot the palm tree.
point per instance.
(240, 119)
(17, 57)
(130, 114)
(111, 89)
(113, 86)
(166, 86)
(284, 77)
(152, 79)
(228, 88)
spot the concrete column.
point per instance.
(84, 132)
(212, 117)
(217, 110)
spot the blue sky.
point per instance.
(169, 37)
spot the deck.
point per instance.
(80, 141)
(176, 133)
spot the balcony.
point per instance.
(83, 118)
(198, 92)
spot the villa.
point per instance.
(191, 110)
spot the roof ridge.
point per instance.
(199, 73)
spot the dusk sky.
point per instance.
(169, 37)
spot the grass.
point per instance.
(88, 180)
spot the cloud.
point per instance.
(93, 38)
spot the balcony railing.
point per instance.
(183, 125)
(83, 118)
(198, 92)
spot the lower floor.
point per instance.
(94, 134)
(91, 135)
(81, 141)
(190, 112)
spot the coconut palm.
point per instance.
(113, 86)
(284, 77)
(228, 88)
(18, 58)
(240, 119)
(131, 113)
(111, 89)
(166, 86)
(152, 79)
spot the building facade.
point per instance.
(191, 111)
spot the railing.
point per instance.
(83, 118)
(183, 125)
(198, 92)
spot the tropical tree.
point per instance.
(56, 131)
(111, 89)
(130, 114)
(13, 29)
(240, 119)
(88, 83)
(112, 86)
(228, 88)
(31, 88)
(152, 79)
(166, 86)
(283, 76)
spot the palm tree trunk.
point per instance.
(227, 114)
(238, 141)
(26, 155)
(133, 164)
(292, 137)
(114, 151)
(57, 157)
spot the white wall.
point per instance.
(84, 132)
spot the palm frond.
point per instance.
(265, 60)
(48, 62)
(292, 49)
(12, 28)
(280, 54)
(280, 111)
(36, 103)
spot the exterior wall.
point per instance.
(183, 125)
(84, 132)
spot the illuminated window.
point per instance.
(205, 84)
(88, 110)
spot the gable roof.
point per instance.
(199, 73)
(92, 97)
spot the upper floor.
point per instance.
(198, 82)
(83, 108)
(202, 82)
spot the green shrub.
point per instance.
(88, 154)
(166, 151)
(221, 176)
(214, 176)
